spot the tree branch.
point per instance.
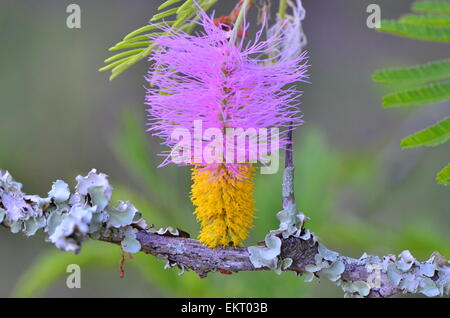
(191, 254)
(69, 219)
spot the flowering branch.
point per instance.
(72, 218)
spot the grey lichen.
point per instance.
(391, 275)
(70, 218)
(266, 256)
(355, 289)
(430, 278)
(129, 243)
(327, 265)
(164, 231)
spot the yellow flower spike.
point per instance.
(224, 204)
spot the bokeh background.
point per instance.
(60, 117)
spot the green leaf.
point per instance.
(443, 176)
(129, 45)
(123, 54)
(429, 137)
(136, 39)
(164, 14)
(415, 31)
(146, 29)
(429, 72)
(432, 6)
(431, 94)
(115, 64)
(185, 6)
(427, 19)
(167, 3)
(433, 25)
(130, 61)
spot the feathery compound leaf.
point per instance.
(115, 64)
(431, 94)
(123, 54)
(416, 31)
(164, 14)
(429, 137)
(443, 176)
(167, 3)
(427, 19)
(184, 6)
(429, 72)
(144, 29)
(129, 45)
(434, 25)
(432, 6)
(137, 42)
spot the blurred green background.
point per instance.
(59, 118)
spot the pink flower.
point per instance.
(225, 85)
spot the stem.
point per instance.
(282, 9)
(239, 20)
(289, 173)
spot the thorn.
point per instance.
(225, 272)
(124, 257)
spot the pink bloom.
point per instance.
(205, 77)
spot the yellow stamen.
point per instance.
(224, 204)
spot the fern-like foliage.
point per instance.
(136, 45)
(443, 176)
(431, 19)
(429, 137)
(430, 72)
(432, 24)
(431, 6)
(430, 94)
(416, 31)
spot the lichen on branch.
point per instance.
(87, 213)
(70, 218)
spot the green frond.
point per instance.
(123, 54)
(185, 6)
(164, 14)
(425, 73)
(118, 69)
(167, 4)
(432, 25)
(129, 45)
(416, 31)
(432, 6)
(115, 64)
(443, 176)
(429, 137)
(145, 29)
(430, 94)
(427, 19)
(137, 38)
(137, 44)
